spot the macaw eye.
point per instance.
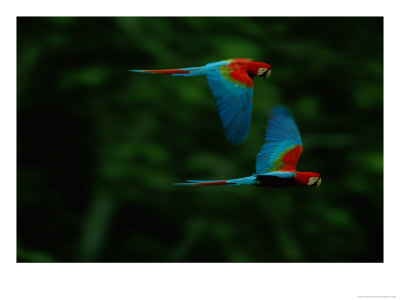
(312, 180)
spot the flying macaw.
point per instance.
(277, 160)
(231, 83)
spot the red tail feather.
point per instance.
(222, 182)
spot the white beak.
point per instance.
(268, 75)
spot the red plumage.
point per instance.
(244, 69)
(290, 159)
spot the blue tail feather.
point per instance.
(239, 181)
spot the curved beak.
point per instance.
(319, 182)
(267, 74)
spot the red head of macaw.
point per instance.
(277, 159)
(231, 83)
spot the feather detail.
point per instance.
(239, 181)
(176, 72)
(200, 183)
(192, 71)
(283, 145)
(234, 104)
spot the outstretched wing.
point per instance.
(283, 145)
(233, 89)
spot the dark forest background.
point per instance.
(99, 148)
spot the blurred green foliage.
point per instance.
(99, 147)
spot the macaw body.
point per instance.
(276, 162)
(231, 83)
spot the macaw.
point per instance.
(276, 162)
(231, 83)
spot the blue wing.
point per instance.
(234, 104)
(283, 145)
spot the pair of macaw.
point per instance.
(231, 83)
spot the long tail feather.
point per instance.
(193, 71)
(196, 71)
(199, 183)
(238, 181)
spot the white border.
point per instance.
(197, 281)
